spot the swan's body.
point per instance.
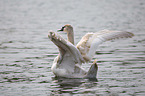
(68, 62)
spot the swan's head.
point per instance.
(66, 28)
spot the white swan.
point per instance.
(68, 62)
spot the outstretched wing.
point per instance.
(65, 46)
(89, 43)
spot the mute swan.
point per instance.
(70, 58)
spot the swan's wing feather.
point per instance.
(89, 43)
(84, 46)
(65, 46)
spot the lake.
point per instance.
(26, 53)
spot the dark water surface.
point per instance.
(26, 53)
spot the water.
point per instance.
(26, 53)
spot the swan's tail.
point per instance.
(92, 71)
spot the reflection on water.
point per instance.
(26, 53)
(70, 86)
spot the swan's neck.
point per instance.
(70, 35)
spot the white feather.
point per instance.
(89, 43)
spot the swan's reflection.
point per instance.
(69, 85)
